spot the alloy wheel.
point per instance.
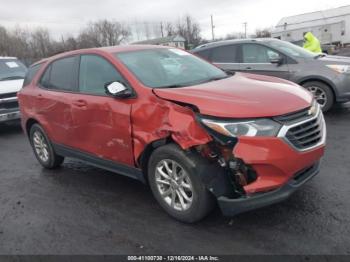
(319, 94)
(40, 146)
(174, 185)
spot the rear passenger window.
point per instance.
(62, 74)
(224, 54)
(31, 73)
(204, 54)
(94, 73)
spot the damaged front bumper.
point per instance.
(267, 170)
(231, 207)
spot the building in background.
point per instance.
(174, 41)
(329, 26)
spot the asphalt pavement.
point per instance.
(79, 209)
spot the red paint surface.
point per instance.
(242, 96)
(274, 160)
(120, 129)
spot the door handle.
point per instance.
(40, 97)
(248, 68)
(80, 103)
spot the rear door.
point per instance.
(101, 123)
(256, 58)
(226, 57)
(53, 100)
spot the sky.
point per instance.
(66, 18)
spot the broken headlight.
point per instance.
(258, 127)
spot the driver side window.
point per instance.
(257, 54)
(94, 73)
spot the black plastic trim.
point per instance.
(93, 160)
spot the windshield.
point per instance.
(11, 69)
(162, 68)
(291, 49)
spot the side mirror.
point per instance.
(278, 60)
(117, 89)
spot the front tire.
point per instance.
(322, 93)
(176, 185)
(43, 149)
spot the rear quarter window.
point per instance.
(205, 54)
(32, 71)
(62, 74)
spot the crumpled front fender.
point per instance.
(159, 119)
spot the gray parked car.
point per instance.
(327, 77)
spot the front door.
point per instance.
(101, 123)
(257, 59)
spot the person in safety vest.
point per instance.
(312, 43)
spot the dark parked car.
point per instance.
(327, 77)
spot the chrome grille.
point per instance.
(8, 95)
(306, 133)
(293, 117)
(8, 101)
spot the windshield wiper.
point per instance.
(218, 78)
(172, 86)
(215, 78)
(319, 55)
(12, 78)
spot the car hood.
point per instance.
(335, 59)
(242, 96)
(10, 86)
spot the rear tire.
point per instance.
(176, 185)
(322, 93)
(43, 149)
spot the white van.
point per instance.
(12, 73)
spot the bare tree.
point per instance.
(188, 28)
(103, 33)
(4, 41)
(169, 29)
(263, 33)
(231, 36)
(40, 43)
(147, 30)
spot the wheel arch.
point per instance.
(321, 80)
(143, 159)
(28, 125)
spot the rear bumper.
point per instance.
(231, 207)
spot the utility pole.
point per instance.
(161, 29)
(188, 23)
(245, 29)
(212, 27)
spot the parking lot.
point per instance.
(79, 209)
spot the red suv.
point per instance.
(165, 117)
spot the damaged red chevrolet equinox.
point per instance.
(194, 134)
